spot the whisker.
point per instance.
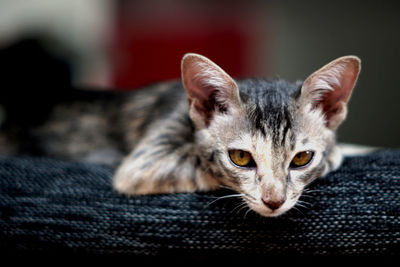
(249, 209)
(307, 196)
(295, 208)
(305, 203)
(242, 207)
(301, 205)
(251, 200)
(225, 187)
(249, 196)
(306, 190)
(239, 207)
(244, 194)
(223, 197)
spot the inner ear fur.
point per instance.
(330, 88)
(208, 87)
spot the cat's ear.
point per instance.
(330, 88)
(209, 89)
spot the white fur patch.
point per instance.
(324, 80)
(208, 76)
(356, 150)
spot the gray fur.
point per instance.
(161, 145)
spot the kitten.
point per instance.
(266, 139)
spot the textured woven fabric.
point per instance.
(50, 205)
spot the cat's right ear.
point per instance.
(209, 89)
(330, 88)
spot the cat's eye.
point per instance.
(241, 158)
(301, 159)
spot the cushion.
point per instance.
(53, 206)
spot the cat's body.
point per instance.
(87, 125)
(265, 139)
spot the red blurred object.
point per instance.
(148, 46)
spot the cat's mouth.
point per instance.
(266, 211)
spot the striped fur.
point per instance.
(170, 138)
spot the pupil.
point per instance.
(241, 154)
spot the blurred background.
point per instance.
(123, 45)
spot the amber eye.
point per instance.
(301, 159)
(241, 158)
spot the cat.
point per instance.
(265, 139)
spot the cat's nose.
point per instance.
(273, 204)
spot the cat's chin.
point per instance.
(266, 212)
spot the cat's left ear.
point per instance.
(330, 88)
(210, 90)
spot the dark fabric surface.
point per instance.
(48, 205)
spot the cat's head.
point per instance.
(268, 139)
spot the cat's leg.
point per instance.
(356, 150)
(334, 159)
(340, 151)
(156, 169)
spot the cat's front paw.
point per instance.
(129, 180)
(125, 185)
(129, 183)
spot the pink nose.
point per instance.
(273, 204)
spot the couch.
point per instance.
(50, 206)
